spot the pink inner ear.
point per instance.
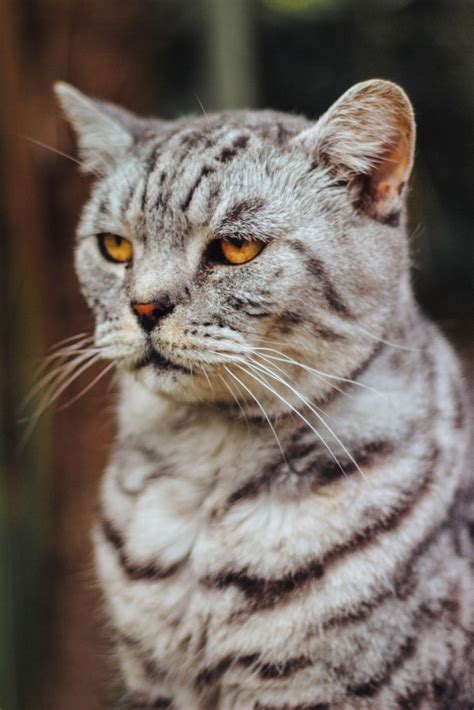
(389, 177)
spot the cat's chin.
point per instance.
(176, 384)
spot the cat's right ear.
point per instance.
(367, 140)
(104, 131)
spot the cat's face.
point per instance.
(211, 244)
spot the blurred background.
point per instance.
(170, 57)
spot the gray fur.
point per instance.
(319, 570)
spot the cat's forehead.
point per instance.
(218, 170)
(213, 129)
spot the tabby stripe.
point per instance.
(422, 622)
(404, 584)
(322, 473)
(140, 703)
(148, 664)
(209, 676)
(103, 210)
(449, 695)
(460, 409)
(136, 572)
(406, 651)
(238, 302)
(316, 268)
(333, 394)
(292, 665)
(266, 671)
(368, 690)
(206, 170)
(301, 706)
(159, 199)
(261, 314)
(238, 145)
(285, 668)
(368, 455)
(177, 154)
(411, 699)
(323, 331)
(283, 134)
(263, 592)
(150, 165)
(126, 202)
(287, 320)
(241, 210)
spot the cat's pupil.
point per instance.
(236, 242)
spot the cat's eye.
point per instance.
(239, 251)
(115, 248)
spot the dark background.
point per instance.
(169, 57)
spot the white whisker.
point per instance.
(59, 372)
(315, 371)
(64, 352)
(89, 386)
(67, 378)
(234, 396)
(71, 338)
(204, 370)
(262, 409)
(59, 152)
(314, 410)
(319, 377)
(296, 411)
(56, 390)
(385, 342)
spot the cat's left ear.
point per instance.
(104, 131)
(367, 139)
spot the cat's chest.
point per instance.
(164, 500)
(160, 530)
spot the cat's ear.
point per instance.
(104, 131)
(367, 138)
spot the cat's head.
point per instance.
(214, 247)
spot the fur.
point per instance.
(280, 522)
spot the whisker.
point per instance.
(64, 377)
(314, 410)
(63, 352)
(386, 342)
(71, 338)
(297, 412)
(319, 377)
(317, 372)
(204, 369)
(89, 386)
(262, 409)
(59, 371)
(59, 152)
(51, 397)
(234, 396)
(68, 352)
(201, 106)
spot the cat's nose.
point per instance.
(149, 314)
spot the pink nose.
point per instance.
(150, 313)
(145, 309)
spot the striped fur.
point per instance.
(284, 521)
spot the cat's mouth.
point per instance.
(159, 361)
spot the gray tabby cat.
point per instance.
(282, 520)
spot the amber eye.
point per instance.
(239, 251)
(115, 248)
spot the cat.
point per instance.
(284, 519)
